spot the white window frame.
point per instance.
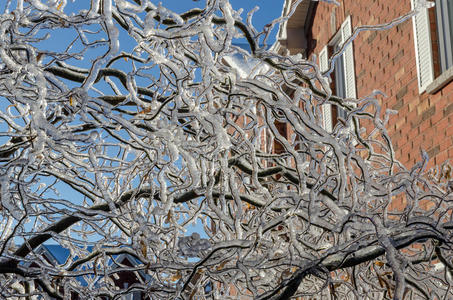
(342, 36)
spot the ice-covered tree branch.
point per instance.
(146, 142)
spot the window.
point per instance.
(444, 21)
(433, 37)
(343, 73)
(339, 80)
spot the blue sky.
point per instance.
(59, 39)
(268, 9)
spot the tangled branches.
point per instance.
(141, 122)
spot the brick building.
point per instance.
(411, 63)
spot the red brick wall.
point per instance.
(385, 60)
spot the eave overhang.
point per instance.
(293, 33)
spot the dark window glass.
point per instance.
(444, 19)
(340, 82)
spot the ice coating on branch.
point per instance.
(149, 22)
(145, 124)
(7, 200)
(127, 5)
(193, 245)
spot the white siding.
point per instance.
(423, 51)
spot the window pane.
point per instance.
(444, 19)
(340, 82)
(341, 113)
(450, 36)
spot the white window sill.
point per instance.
(440, 81)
